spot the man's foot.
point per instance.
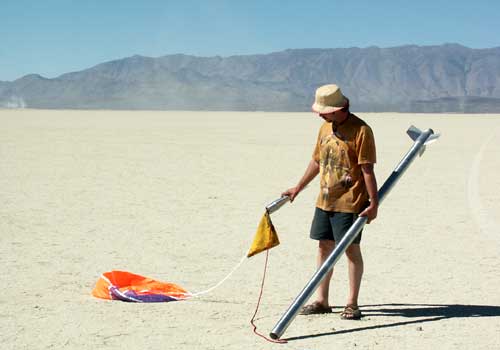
(315, 308)
(351, 312)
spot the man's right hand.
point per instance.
(291, 192)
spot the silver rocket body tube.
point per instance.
(421, 139)
(278, 203)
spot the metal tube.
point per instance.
(278, 203)
(349, 237)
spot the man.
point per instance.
(344, 157)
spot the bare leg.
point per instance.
(325, 247)
(356, 266)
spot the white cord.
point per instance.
(198, 294)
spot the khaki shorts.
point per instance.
(332, 225)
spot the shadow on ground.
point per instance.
(419, 313)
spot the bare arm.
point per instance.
(310, 173)
(371, 187)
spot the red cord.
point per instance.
(279, 341)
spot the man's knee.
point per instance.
(325, 246)
(353, 253)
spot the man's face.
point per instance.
(337, 116)
(329, 117)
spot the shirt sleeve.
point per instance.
(315, 155)
(365, 146)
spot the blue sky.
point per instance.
(52, 37)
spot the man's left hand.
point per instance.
(370, 212)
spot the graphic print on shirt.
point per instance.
(335, 166)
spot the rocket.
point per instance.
(421, 140)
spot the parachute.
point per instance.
(127, 286)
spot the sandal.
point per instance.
(351, 312)
(315, 309)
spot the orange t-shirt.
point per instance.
(340, 155)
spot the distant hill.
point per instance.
(446, 78)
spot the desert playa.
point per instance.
(177, 196)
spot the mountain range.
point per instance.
(445, 78)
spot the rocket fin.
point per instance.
(413, 132)
(432, 138)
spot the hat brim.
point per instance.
(316, 107)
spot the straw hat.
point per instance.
(329, 99)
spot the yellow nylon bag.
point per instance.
(265, 237)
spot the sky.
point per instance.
(52, 37)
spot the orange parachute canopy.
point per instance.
(126, 286)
